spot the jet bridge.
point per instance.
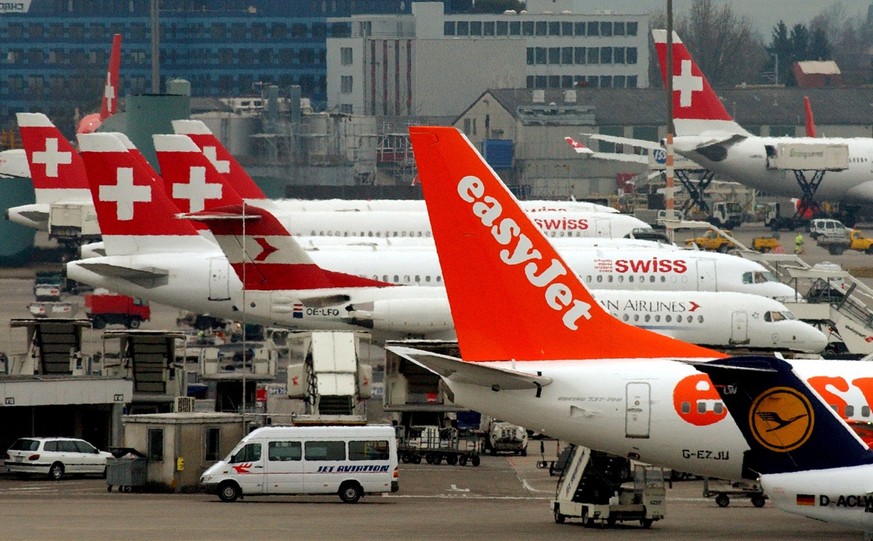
(803, 158)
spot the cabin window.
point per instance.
(865, 411)
(668, 318)
(850, 410)
(686, 407)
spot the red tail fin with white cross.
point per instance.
(512, 296)
(697, 109)
(57, 170)
(134, 213)
(219, 156)
(109, 100)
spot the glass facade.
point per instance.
(55, 56)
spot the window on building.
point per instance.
(567, 55)
(593, 55)
(463, 28)
(488, 28)
(632, 81)
(527, 28)
(593, 28)
(475, 28)
(529, 81)
(566, 29)
(514, 28)
(606, 29)
(449, 28)
(554, 81)
(554, 28)
(346, 84)
(502, 28)
(619, 81)
(259, 31)
(630, 55)
(265, 57)
(347, 108)
(137, 32)
(212, 452)
(286, 57)
(155, 452)
(606, 82)
(541, 28)
(606, 55)
(554, 55)
(298, 30)
(76, 31)
(632, 28)
(618, 29)
(246, 57)
(319, 30)
(540, 81)
(540, 55)
(579, 29)
(566, 81)
(618, 55)
(530, 56)
(35, 31)
(346, 57)
(579, 55)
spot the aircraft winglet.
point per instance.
(512, 296)
(786, 424)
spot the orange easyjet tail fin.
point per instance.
(512, 296)
(810, 120)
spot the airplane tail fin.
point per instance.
(511, 295)
(223, 161)
(810, 119)
(109, 102)
(580, 148)
(786, 424)
(265, 255)
(696, 107)
(134, 213)
(57, 170)
(190, 178)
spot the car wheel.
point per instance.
(228, 491)
(350, 492)
(56, 471)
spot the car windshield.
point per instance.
(25, 444)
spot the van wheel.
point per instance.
(350, 492)
(228, 491)
(133, 323)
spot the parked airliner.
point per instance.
(538, 351)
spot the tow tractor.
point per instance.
(594, 487)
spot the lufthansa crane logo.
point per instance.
(781, 419)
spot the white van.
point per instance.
(349, 461)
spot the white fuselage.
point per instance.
(841, 495)
(663, 412)
(746, 163)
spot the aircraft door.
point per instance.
(219, 282)
(638, 410)
(706, 278)
(602, 229)
(739, 328)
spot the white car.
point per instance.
(55, 457)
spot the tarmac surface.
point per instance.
(505, 498)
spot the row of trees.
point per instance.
(730, 51)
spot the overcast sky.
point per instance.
(765, 12)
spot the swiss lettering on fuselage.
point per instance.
(507, 232)
(558, 224)
(648, 265)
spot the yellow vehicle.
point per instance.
(765, 244)
(854, 240)
(712, 241)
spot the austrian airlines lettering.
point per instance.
(558, 295)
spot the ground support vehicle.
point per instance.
(433, 445)
(48, 286)
(767, 244)
(52, 309)
(103, 309)
(506, 437)
(723, 490)
(853, 240)
(592, 489)
(712, 241)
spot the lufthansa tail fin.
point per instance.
(511, 295)
(697, 109)
(786, 424)
(265, 256)
(223, 161)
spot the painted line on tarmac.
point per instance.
(462, 497)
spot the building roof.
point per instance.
(750, 106)
(819, 67)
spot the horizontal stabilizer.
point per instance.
(455, 369)
(120, 271)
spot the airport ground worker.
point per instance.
(798, 243)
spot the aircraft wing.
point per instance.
(642, 143)
(133, 274)
(32, 215)
(714, 138)
(455, 369)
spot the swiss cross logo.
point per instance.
(222, 166)
(109, 91)
(686, 84)
(125, 193)
(197, 190)
(51, 157)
